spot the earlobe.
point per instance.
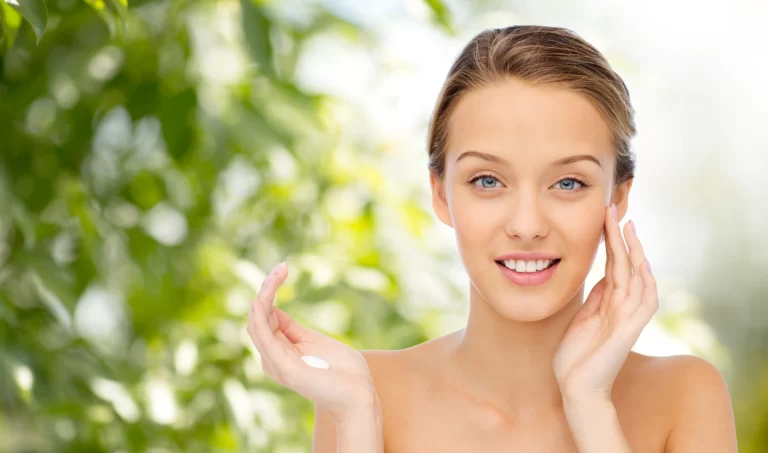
(439, 203)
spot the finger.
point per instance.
(272, 319)
(267, 338)
(635, 296)
(609, 285)
(264, 346)
(270, 284)
(266, 297)
(649, 303)
(260, 333)
(636, 253)
(260, 308)
(608, 257)
(620, 267)
(251, 329)
(280, 360)
(636, 259)
(293, 331)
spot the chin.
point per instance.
(533, 303)
(527, 308)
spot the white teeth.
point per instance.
(527, 266)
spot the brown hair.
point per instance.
(538, 55)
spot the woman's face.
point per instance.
(519, 198)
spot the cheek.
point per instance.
(476, 219)
(585, 228)
(476, 223)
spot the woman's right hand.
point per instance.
(343, 391)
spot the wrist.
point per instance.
(361, 431)
(581, 410)
(354, 421)
(583, 400)
(595, 426)
(365, 407)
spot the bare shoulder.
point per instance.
(383, 364)
(401, 364)
(398, 373)
(693, 395)
(679, 378)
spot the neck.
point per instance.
(508, 364)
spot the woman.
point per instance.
(530, 164)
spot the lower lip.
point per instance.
(528, 278)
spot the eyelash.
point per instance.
(488, 175)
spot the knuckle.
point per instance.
(651, 307)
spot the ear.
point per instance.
(621, 198)
(439, 200)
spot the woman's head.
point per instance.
(516, 105)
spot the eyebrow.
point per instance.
(558, 163)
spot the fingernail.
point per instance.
(278, 267)
(613, 211)
(632, 224)
(282, 265)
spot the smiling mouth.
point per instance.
(542, 265)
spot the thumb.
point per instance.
(593, 301)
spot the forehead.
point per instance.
(517, 120)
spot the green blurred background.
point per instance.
(158, 157)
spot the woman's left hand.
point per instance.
(601, 335)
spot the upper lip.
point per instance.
(528, 256)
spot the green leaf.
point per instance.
(9, 23)
(36, 13)
(106, 15)
(2, 29)
(122, 9)
(256, 27)
(177, 115)
(442, 14)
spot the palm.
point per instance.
(601, 335)
(592, 349)
(347, 362)
(282, 342)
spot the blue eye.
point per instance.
(483, 179)
(570, 187)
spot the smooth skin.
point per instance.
(535, 369)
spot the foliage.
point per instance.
(149, 176)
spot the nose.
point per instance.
(526, 221)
